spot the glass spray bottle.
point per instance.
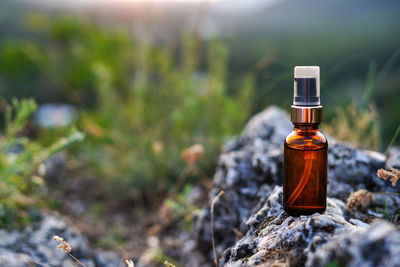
(305, 148)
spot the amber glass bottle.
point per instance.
(305, 149)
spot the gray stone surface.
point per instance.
(279, 238)
(384, 205)
(251, 162)
(35, 246)
(378, 245)
(250, 173)
(393, 160)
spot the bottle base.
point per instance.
(303, 210)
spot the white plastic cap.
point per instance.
(306, 72)
(306, 86)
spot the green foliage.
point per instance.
(396, 134)
(19, 160)
(334, 263)
(181, 208)
(138, 94)
(173, 104)
(113, 238)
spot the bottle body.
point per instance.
(305, 170)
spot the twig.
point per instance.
(75, 259)
(38, 263)
(212, 226)
(181, 180)
(237, 233)
(66, 247)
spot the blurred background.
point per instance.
(146, 92)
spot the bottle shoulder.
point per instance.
(309, 140)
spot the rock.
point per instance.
(351, 169)
(285, 239)
(52, 167)
(250, 173)
(35, 246)
(10, 259)
(384, 205)
(272, 207)
(107, 258)
(378, 245)
(359, 223)
(393, 160)
(277, 238)
(255, 160)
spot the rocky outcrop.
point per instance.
(250, 226)
(35, 246)
(275, 237)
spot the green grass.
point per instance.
(133, 95)
(19, 162)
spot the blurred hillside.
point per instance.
(356, 43)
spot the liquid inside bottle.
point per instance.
(305, 178)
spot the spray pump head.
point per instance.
(306, 86)
(306, 106)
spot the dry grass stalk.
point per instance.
(212, 226)
(64, 245)
(181, 180)
(359, 198)
(392, 174)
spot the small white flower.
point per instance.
(64, 245)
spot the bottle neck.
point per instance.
(306, 127)
(306, 114)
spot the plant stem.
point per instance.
(75, 259)
(212, 226)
